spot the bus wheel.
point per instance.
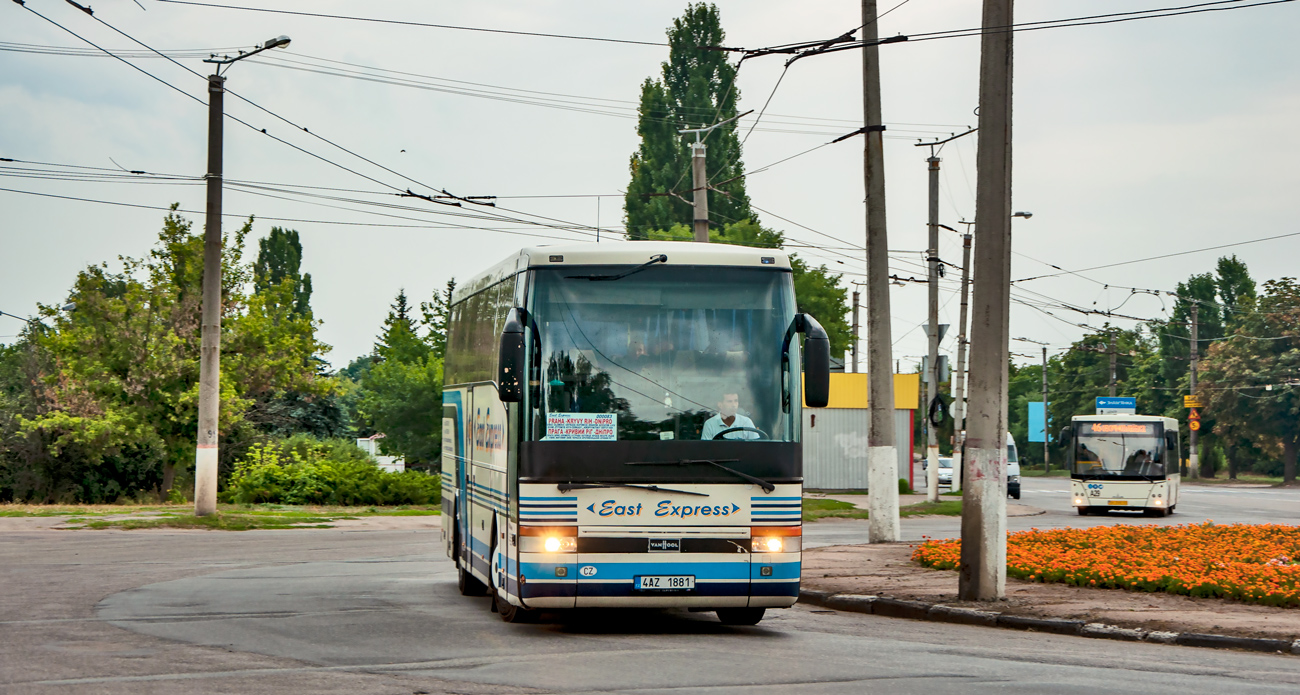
(510, 612)
(1084, 511)
(468, 584)
(740, 616)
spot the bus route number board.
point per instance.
(664, 582)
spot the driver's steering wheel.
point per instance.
(741, 429)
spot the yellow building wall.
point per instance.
(850, 391)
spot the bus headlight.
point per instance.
(554, 539)
(558, 544)
(1078, 501)
(769, 544)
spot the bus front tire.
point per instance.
(740, 616)
(1084, 511)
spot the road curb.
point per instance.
(937, 612)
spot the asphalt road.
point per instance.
(1196, 504)
(322, 611)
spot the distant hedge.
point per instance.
(303, 471)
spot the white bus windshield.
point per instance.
(667, 353)
(1119, 448)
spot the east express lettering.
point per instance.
(666, 508)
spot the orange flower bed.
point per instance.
(1256, 563)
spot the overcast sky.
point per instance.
(1130, 140)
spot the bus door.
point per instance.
(485, 481)
(458, 404)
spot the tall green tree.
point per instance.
(696, 88)
(1249, 381)
(400, 394)
(817, 291)
(437, 314)
(279, 262)
(111, 403)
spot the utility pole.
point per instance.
(700, 177)
(960, 377)
(882, 460)
(1113, 357)
(854, 349)
(701, 191)
(206, 453)
(1193, 454)
(983, 571)
(1047, 437)
(932, 377)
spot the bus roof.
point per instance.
(624, 253)
(636, 252)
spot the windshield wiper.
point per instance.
(767, 487)
(661, 258)
(565, 487)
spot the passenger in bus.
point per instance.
(728, 416)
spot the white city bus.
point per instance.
(621, 428)
(1123, 462)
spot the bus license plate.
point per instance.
(665, 583)
(1118, 503)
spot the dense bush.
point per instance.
(303, 470)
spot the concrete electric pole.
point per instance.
(700, 178)
(1047, 432)
(983, 571)
(700, 196)
(959, 377)
(932, 330)
(882, 459)
(1114, 356)
(932, 326)
(853, 350)
(206, 453)
(1193, 455)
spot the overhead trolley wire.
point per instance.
(429, 25)
(503, 218)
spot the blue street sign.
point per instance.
(1123, 405)
(1037, 432)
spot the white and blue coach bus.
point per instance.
(621, 428)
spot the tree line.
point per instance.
(99, 394)
(1248, 341)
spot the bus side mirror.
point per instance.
(511, 359)
(1067, 435)
(1171, 442)
(816, 362)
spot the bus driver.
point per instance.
(728, 417)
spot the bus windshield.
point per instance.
(666, 353)
(1119, 448)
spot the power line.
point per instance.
(1162, 256)
(502, 218)
(376, 20)
(459, 227)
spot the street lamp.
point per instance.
(205, 455)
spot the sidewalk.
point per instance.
(886, 570)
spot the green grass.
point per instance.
(221, 521)
(229, 517)
(814, 509)
(1028, 471)
(1223, 479)
(940, 508)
